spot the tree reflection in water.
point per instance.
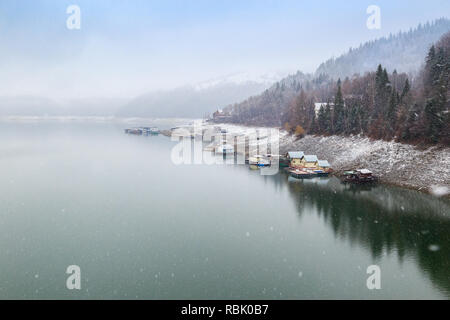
(382, 219)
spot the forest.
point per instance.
(381, 104)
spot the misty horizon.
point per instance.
(123, 51)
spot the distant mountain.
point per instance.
(197, 100)
(268, 107)
(404, 52)
(189, 102)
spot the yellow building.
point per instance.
(295, 158)
(323, 165)
(310, 161)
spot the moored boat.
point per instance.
(358, 176)
(137, 131)
(225, 149)
(259, 161)
(302, 174)
(150, 130)
(321, 173)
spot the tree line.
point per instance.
(380, 105)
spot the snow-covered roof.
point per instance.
(311, 158)
(296, 154)
(323, 163)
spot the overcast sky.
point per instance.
(125, 48)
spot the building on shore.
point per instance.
(323, 165)
(295, 158)
(310, 161)
(221, 116)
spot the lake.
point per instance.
(140, 227)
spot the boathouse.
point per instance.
(323, 165)
(309, 161)
(295, 158)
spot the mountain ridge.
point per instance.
(388, 51)
(275, 101)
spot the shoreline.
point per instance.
(394, 163)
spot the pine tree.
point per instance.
(381, 102)
(405, 90)
(328, 119)
(338, 111)
(379, 85)
(434, 111)
(391, 114)
(437, 71)
(353, 118)
(321, 120)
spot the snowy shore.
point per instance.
(394, 163)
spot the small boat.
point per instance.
(274, 158)
(259, 161)
(225, 149)
(358, 176)
(150, 130)
(321, 173)
(302, 174)
(210, 148)
(137, 131)
(145, 130)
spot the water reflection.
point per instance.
(384, 220)
(117, 205)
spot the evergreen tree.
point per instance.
(405, 90)
(338, 111)
(410, 131)
(437, 71)
(321, 120)
(391, 114)
(328, 119)
(353, 126)
(379, 87)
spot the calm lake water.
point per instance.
(140, 227)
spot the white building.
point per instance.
(317, 106)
